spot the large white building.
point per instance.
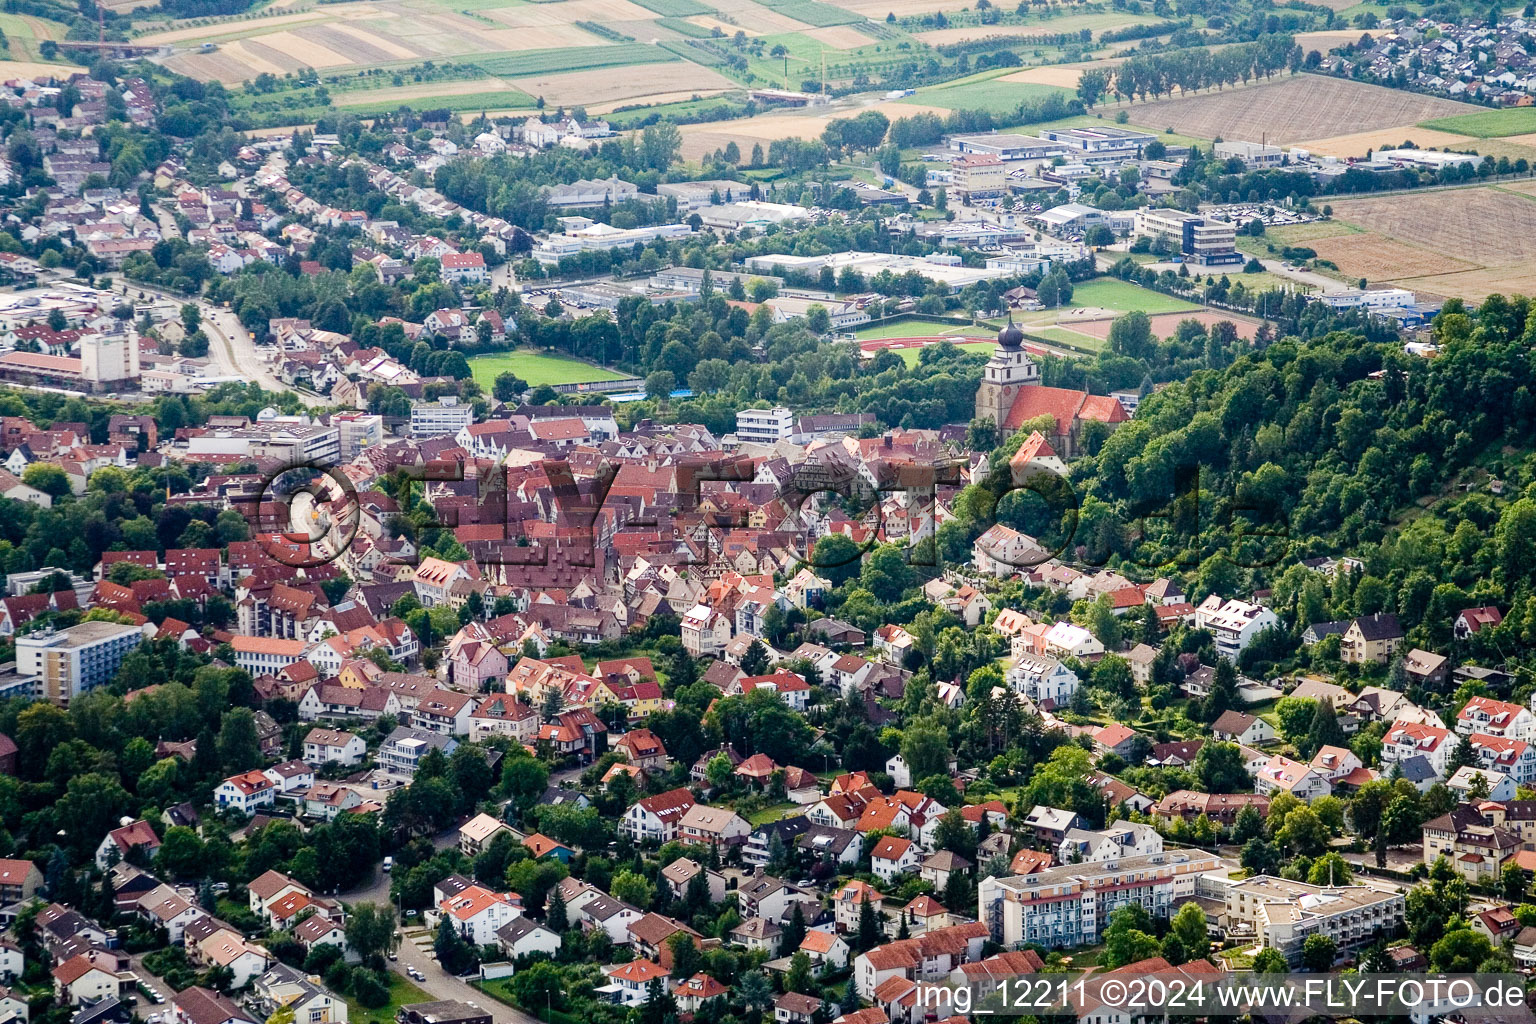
(952, 276)
(64, 663)
(1070, 905)
(1282, 914)
(445, 416)
(764, 426)
(1203, 240)
(1233, 623)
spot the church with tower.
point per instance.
(1011, 395)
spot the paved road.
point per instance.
(1323, 283)
(154, 984)
(230, 345)
(439, 984)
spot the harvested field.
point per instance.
(296, 46)
(706, 137)
(665, 83)
(231, 28)
(840, 37)
(1064, 76)
(570, 11)
(1287, 110)
(1475, 285)
(878, 9)
(1357, 143)
(1375, 257)
(675, 8)
(1459, 223)
(364, 46)
(1326, 40)
(754, 20)
(709, 21)
(27, 69)
(1164, 324)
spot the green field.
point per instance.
(1112, 293)
(574, 58)
(1065, 337)
(493, 99)
(993, 95)
(537, 368)
(1487, 124)
(919, 329)
(676, 8)
(910, 355)
(813, 13)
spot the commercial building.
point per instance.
(1097, 146)
(979, 176)
(1070, 905)
(764, 426)
(936, 268)
(1201, 239)
(1007, 147)
(1282, 914)
(356, 431)
(581, 234)
(445, 416)
(691, 280)
(64, 663)
(1254, 155)
(750, 213)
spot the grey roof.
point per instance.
(1417, 769)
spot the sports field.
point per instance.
(910, 355)
(1124, 297)
(537, 368)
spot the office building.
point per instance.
(764, 426)
(1200, 239)
(445, 416)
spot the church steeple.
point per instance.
(1008, 371)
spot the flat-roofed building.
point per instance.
(1282, 914)
(64, 663)
(1070, 905)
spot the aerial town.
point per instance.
(608, 512)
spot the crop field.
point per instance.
(1288, 109)
(997, 95)
(582, 58)
(812, 12)
(1095, 23)
(675, 8)
(1441, 243)
(654, 83)
(1486, 124)
(537, 368)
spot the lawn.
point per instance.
(1488, 124)
(911, 328)
(493, 99)
(1066, 338)
(771, 813)
(401, 992)
(1112, 293)
(537, 368)
(910, 355)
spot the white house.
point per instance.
(245, 792)
(1232, 624)
(328, 746)
(656, 818)
(478, 913)
(1496, 718)
(893, 856)
(1044, 680)
(1283, 775)
(1409, 739)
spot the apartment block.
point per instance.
(1070, 905)
(1282, 914)
(64, 663)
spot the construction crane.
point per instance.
(801, 60)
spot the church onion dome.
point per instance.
(1010, 336)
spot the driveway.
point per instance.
(154, 984)
(415, 951)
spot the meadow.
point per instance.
(1488, 124)
(537, 368)
(1124, 297)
